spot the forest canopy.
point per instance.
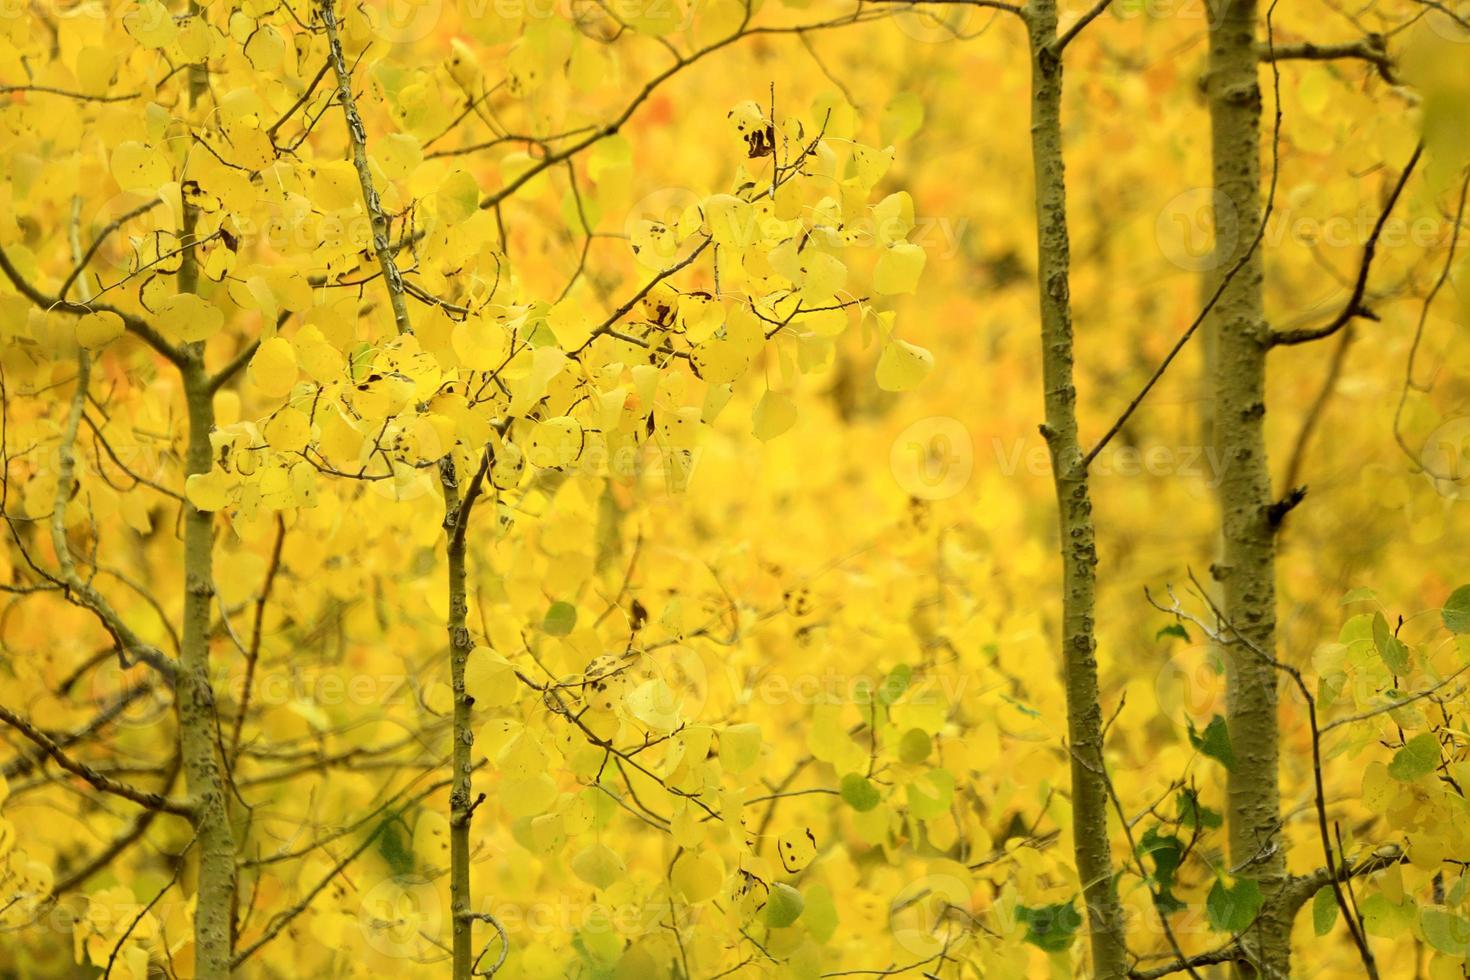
(692, 489)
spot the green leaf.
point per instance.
(784, 906)
(1393, 650)
(820, 917)
(1173, 629)
(1419, 757)
(1193, 814)
(1166, 851)
(1233, 909)
(1446, 932)
(895, 684)
(859, 793)
(561, 619)
(1361, 594)
(1214, 741)
(1050, 927)
(393, 846)
(1324, 910)
(915, 745)
(931, 794)
(1456, 611)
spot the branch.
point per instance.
(150, 801)
(1427, 692)
(75, 588)
(606, 326)
(1354, 307)
(134, 325)
(357, 133)
(1225, 954)
(1359, 936)
(121, 843)
(1225, 281)
(67, 93)
(1371, 49)
(284, 919)
(102, 236)
(253, 654)
(1009, 8)
(223, 376)
(1077, 28)
(612, 128)
(1301, 888)
(1317, 409)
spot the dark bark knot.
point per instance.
(1244, 94)
(1056, 286)
(1048, 63)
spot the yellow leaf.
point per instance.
(139, 168)
(190, 318)
(698, 875)
(273, 368)
(902, 366)
(99, 329)
(774, 414)
(490, 679)
(898, 268)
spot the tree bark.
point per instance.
(1074, 506)
(1247, 566)
(461, 809)
(214, 927)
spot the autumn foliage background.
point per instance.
(762, 604)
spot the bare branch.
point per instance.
(1354, 307)
(150, 801)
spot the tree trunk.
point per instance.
(1074, 506)
(1246, 569)
(460, 807)
(214, 927)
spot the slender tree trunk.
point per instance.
(461, 809)
(1247, 566)
(214, 926)
(1074, 506)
